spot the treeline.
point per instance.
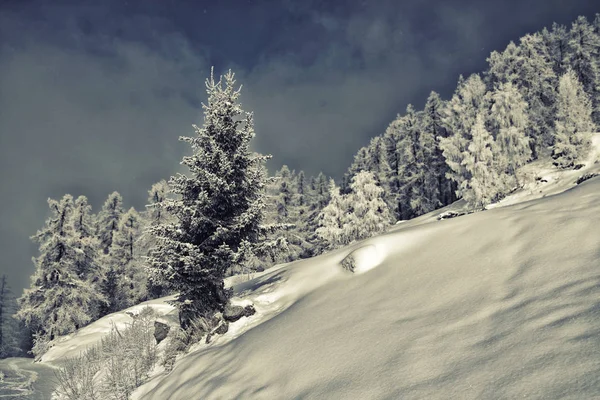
(89, 265)
(540, 97)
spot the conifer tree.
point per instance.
(369, 214)
(583, 56)
(87, 264)
(108, 221)
(9, 329)
(301, 189)
(409, 173)
(125, 261)
(433, 124)
(508, 117)
(482, 187)
(538, 88)
(220, 205)
(573, 122)
(59, 300)
(460, 116)
(333, 218)
(155, 215)
(557, 45)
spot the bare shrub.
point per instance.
(112, 370)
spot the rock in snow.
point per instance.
(161, 331)
(233, 313)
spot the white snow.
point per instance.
(497, 304)
(72, 345)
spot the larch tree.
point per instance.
(218, 205)
(432, 125)
(583, 56)
(87, 264)
(557, 45)
(107, 222)
(573, 122)
(482, 187)
(333, 218)
(155, 215)
(509, 120)
(369, 213)
(9, 343)
(131, 279)
(59, 300)
(460, 116)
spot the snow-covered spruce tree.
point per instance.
(107, 221)
(131, 280)
(59, 301)
(333, 218)
(509, 120)
(482, 187)
(573, 122)
(583, 59)
(460, 116)
(219, 205)
(370, 214)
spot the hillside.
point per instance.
(498, 304)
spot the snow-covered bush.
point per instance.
(115, 367)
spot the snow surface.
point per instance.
(498, 304)
(73, 345)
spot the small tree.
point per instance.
(573, 122)
(333, 218)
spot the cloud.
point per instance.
(87, 114)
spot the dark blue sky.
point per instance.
(94, 94)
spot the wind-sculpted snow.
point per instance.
(498, 304)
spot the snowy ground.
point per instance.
(21, 378)
(73, 345)
(500, 304)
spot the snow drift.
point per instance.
(499, 304)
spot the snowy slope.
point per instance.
(500, 304)
(72, 345)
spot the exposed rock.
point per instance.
(160, 331)
(249, 310)
(233, 313)
(585, 177)
(222, 329)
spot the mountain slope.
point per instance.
(499, 304)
